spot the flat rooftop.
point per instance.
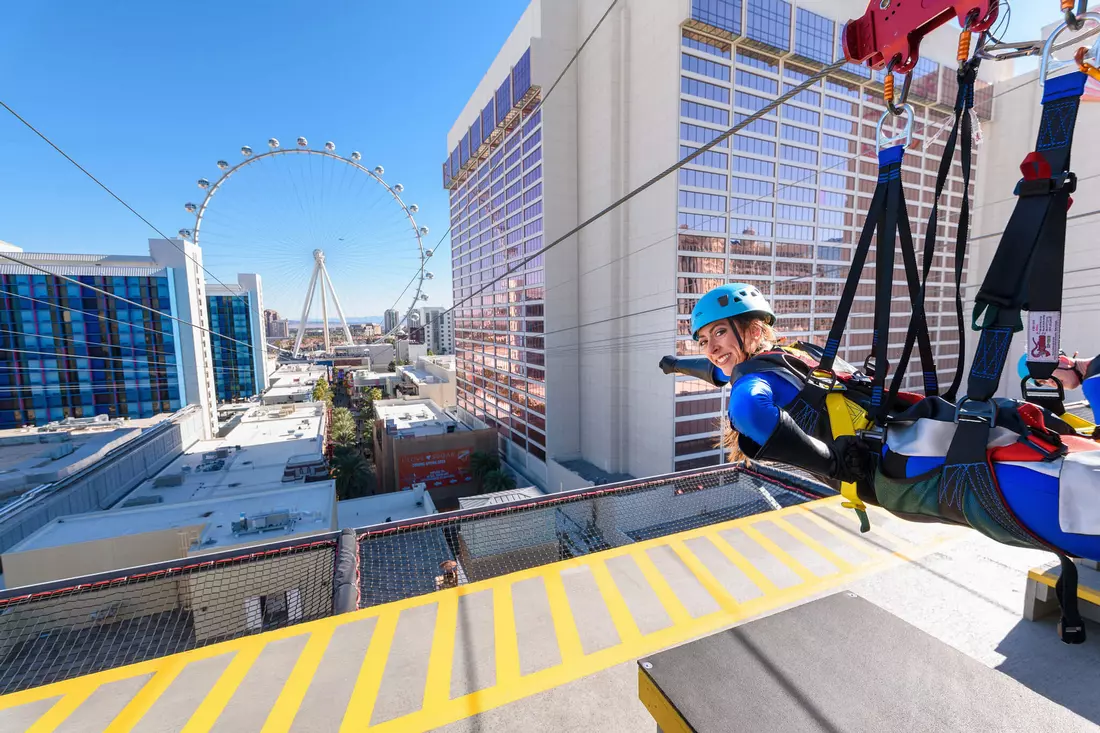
(380, 508)
(415, 418)
(308, 509)
(30, 456)
(257, 451)
(239, 473)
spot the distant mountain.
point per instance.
(336, 321)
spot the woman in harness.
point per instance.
(733, 325)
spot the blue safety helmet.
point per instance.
(1021, 367)
(730, 301)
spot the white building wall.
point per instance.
(1007, 140)
(185, 259)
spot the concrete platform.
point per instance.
(554, 647)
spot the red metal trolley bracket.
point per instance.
(893, 29)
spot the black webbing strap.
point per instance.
(1071, 629)
(964, 103)
(1037, 221)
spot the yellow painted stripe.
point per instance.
(705, 577)
(779, 553)
(361, 705)
(675, 609)
(569, 641)
(741, 563)
(294, 691)
(139, 705)
(504, 628)
(437, 687)
(214, 704)
(865, 546)
(841, 564)
(1051, 579)
(551, 677)
(616, 604)
(61, 711)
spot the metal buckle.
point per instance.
(815, 378)
(976, 411)
(876, 434)
(1030, 387)
(1049, 47)
(906, 137)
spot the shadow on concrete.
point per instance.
(1063, 673)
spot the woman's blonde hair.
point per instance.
(758, 335)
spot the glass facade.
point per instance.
(496, 221)
(234, 361)
(781, 205)
(67, 351)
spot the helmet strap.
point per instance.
(737, 335)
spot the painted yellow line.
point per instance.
(753, 573)
(616, 604)
(546, 679)
(840, 563)
(203, 719)
(664, 713)
(294, 690)
(876, 516)
(61, 711)
(1051, 579)
(675, 609)
(504, 627)
(361, 705)
(139, 705)
(437, 686)
(706, 578)
(569, 641)
(779, 553)
(850, 538)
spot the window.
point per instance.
(798, 155)
(769, 21)
(795, 213)
(761, 127)
(697, 88)
(724, 14)
(702, 179)
(806, 96)
(705, 113)
(813, 36)
(798, 175)
(753, 145)
(751, 207)
(756, 82)
(752, 187)
(753, 166)
(702, 223)
(702, 135)
(702, 265)
(699, 43)
(797, 193)
(696, 65)
(706, 201)
(710, 158)
(693, 243)
(794, 231)
(805, 116)
(799, 135)
(751, 227)
(757, 60)
(751, 102)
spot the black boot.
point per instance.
(849, 461)
(691, 366)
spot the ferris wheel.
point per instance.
(312, 222)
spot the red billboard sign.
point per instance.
(438, 468)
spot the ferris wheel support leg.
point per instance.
(305, 312)
(336, 302)
(324, 310)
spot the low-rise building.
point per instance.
(266, 479)
(416, 441)
(433, 378)
(364, 380)
(293, 383)
(381, 508)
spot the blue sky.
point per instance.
(148, 95)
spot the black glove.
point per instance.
(854, 458)
(691, 366)
(849, 459)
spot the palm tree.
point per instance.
(351, 473)
(497, 481)
(482, 463)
